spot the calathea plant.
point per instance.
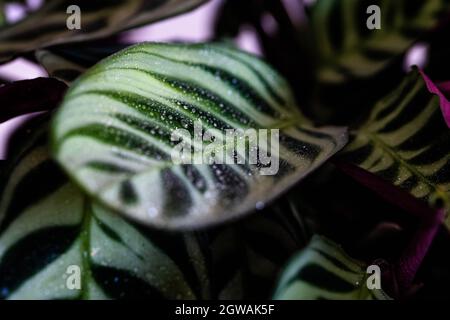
(93, 205)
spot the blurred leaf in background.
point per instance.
(47, 25)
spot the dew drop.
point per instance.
(4, 292)
(152, 212)
(260, 205)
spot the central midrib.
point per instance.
(386, 148)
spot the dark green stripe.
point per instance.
(111, 168)
(255, 71)
(121, 284)
(238, 84)
(319, 277)
(32, 254)
(117, 137)
(127, 193)
(333, 260)
(178, 199)
(211, 100)
(27, 193)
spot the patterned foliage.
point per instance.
(112, 133)
(357, 64)
(324, 271)
(406, 142)
(100, 18)
(48, 228)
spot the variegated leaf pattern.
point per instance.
(112, 133)
(323, 271)
(406, 142)
(99, 18)
(47, 227)
(357, 65)
(350, 50)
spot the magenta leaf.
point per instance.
(410, 261)
(27, 96)
(438, 90)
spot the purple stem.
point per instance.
(437, 90)
(444, 87)
(27, 96)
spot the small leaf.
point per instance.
(324, 271)
(405, 141)
(47, 25)
(112, 133)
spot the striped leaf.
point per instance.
(112, 133)
(350, 50)
(47, 227)
(357, 64)
(99, 18)
(406, 142)
(324, 271)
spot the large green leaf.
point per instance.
(99, 18)
(353, 61)
(47, 225)
(112, 133)
(324, 271)
(406, 142)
